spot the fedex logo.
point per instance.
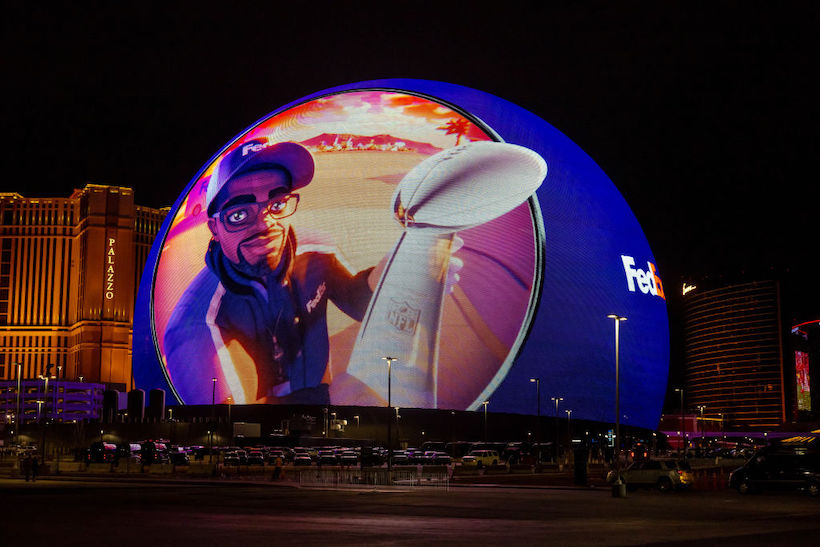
(256, 147)
(647, 281)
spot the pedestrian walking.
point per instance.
(277, 468)
(26, 464)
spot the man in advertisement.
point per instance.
(255, 317)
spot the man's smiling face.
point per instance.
(249, 233)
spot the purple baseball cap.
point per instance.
(259, 154)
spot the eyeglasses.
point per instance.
(240, 217)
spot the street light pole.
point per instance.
(485, 403)
(19, 414)
(398, 430)
(555, 449)
(617, 319)
(569, 429)
(45, 393)
(682, 424)
(390, 418)
(57, 388)
(722, 430)
(538, 409)
(213, 424)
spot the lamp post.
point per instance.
(19, 413)
(45, 394)
(682, 423)
(537, 382)
(556, 400)
(390, 419)
(618, 483)
(398, 430)
(569, 428)
(485, 403)
(722, 430)
(213, 424)
(44, 423)
(701, 408)
(357, 423)
(56, 388)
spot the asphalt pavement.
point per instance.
(74, 511)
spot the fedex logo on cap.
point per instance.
(256, 147)
(647, 281)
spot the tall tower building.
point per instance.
(734, 354)
(69, 272)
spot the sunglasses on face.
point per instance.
(244, 215)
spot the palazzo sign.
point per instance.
(109, 269)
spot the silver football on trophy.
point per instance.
(467, 185)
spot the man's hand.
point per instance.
(454, 266)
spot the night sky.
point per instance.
(704, 116)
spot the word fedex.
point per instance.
(647, 281)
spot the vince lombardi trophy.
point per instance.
(450, 191)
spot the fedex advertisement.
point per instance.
(407, 241)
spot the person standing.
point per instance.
(26, 465)
(277, 468)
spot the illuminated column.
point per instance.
(105, 289)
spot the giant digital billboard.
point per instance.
(803, 383)
(405, 240)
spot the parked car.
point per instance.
(256, 458)
(414, 455)
(128, 453)
(312, 453)
(481, 458)
(665, 475)
(179, 458)
(101, 453)
(349, 457)
(435, 457)
(792, 464)
(302, 458)
(400, 458)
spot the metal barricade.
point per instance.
(373, 478)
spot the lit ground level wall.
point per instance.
(92, 350)
(34, 401)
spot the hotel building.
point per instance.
(734, 355)
(69, 274)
